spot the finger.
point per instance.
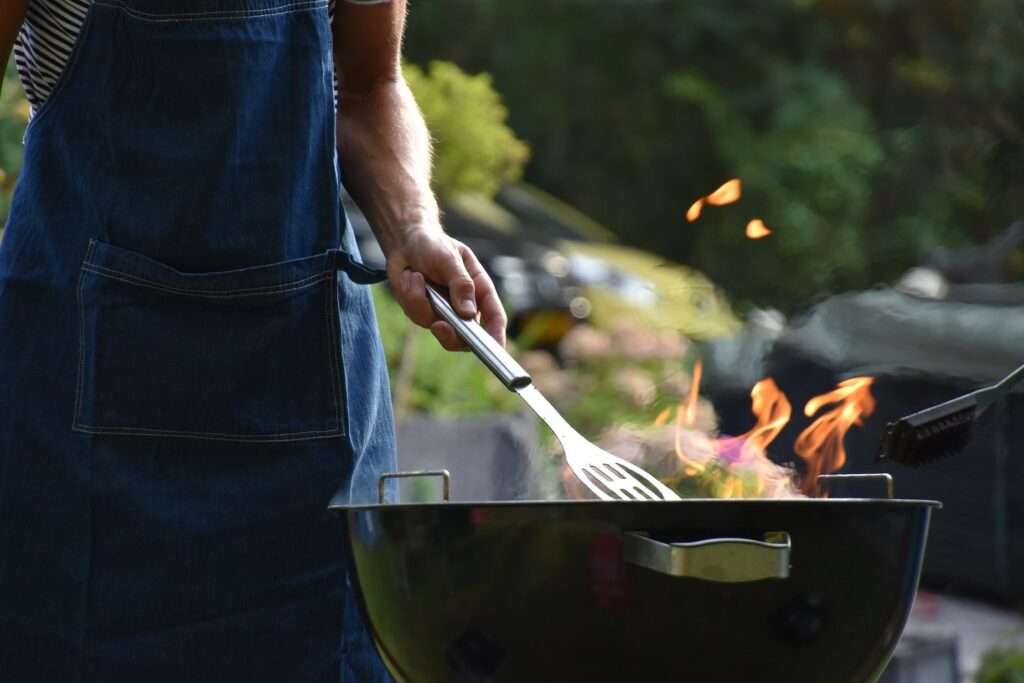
(492, 312)
(461, 289)
(410, 291)
(447, 337)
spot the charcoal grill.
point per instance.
(716, 591)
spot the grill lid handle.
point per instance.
(720, 560)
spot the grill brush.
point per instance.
(944, 429)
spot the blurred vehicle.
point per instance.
(619, 281)
(1000, 260)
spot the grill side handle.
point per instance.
(719, 560)
(489, 351)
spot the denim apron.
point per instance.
(190, 365)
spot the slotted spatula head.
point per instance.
(612, 478)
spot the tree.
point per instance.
(475, 151)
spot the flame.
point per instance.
(686, 416)
(757, 230)
(663, 418)
(738, 467)
(773, 410)
(694, 396)
(729, 193)
(821, 444)
(694, 211)
(743, 464)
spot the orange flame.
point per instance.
(695, 209)
(773, 410)
(686, 415)
(663, 418)
(729, 193)
(737, 467)
(821, 444)
(694, 396)
(757, 230)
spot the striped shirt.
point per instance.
(47, 39)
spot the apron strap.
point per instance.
(356, 271)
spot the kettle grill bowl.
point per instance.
(517, 592)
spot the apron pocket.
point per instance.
(243, 355)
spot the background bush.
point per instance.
(1002, 665)
(475, 150)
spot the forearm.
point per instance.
(385, 152)
(385, 155)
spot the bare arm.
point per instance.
(12, 13)
(385, 150)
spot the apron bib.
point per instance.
(190, 367)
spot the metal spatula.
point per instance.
(608, 477)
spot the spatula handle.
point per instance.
(489, 351)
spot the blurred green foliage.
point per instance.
(13, 117)
(864, 131)
(477, 152)
(1002, 665)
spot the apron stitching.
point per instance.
(208, 293)
(332, 341)
(304, 283)
(195, 17)
(81, 337)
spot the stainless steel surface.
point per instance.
(446, 477)
(721, 560)
(879, 477)
(482, 344)
(605, 475)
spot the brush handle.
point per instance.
(997, 392)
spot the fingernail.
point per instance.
(406, 281)
(469, 306)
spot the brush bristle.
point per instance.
(921, 439)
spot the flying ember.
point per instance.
(729, 193)
(695, 209)
(757, 230)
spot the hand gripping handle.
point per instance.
(489, 351)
